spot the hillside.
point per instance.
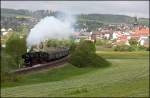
(98, 19)
(13, 13)
(81, 18)
(106, 18)
(127, 77)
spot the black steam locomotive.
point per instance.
(40, 57)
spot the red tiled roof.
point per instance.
(122, 38)
(141, 32)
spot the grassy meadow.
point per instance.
(128, 76)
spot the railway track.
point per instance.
(41, 66)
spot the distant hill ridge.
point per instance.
(102, 18)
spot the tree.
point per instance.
(15, 47)
(58, 43)
(123, 48)
(133, 42)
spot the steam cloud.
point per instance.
(50, 28)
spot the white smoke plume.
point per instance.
(50, 27)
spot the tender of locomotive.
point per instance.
(41, 55)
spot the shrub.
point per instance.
(9, 77)
(142, 48)
(72, 46)
(102, 42)
(123, 48)
(84, 55)
(58, 43)
(133, 42)
(15, 47)
(11, 57)
(108, 45)
(7, 62)
(147, 49)
(99, 42)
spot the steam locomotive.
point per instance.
(38, 56)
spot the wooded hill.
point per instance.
(94, 19)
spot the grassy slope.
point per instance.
(55, 74)
(123, 55)
(126, 77)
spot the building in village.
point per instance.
(92, 37)
(142, 35)
(5, 34)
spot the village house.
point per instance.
(103, 34)
(144, 41)
(92, 37)
(142, 35)
(5, 34)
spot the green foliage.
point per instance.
(108, 45)
(79, 91)
(12, 13)
(22, 29)
(58, 43)
(102, 48)
(73, 46)
(84, 55)
(147, 49)
(7, 65)
(142, 48)
(100, 42)
(81, 56)
(11, 57)
(133, 46)
(123, 48)
(15, 47)
(133, 42)
(123, 55)
(143, 21)
(104, 42)
(106, 18)
(104, 45)
(51, 43)
(7, 77)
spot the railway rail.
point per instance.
(41, 66)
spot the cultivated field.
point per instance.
(128, 76)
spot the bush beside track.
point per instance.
(85, 55)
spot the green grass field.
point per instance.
(127, 77)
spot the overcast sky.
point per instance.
(130, 8)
